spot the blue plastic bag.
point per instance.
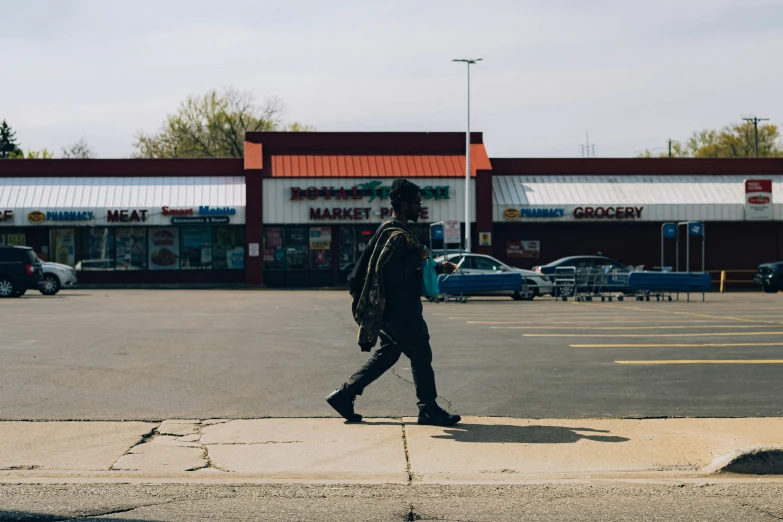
(429, 286)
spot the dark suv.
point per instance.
(20, 270)
(770, 277)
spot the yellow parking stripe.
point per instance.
(669, 327)
(727, 334)
(672, 345)
(707, 361)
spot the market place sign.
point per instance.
(371, 190)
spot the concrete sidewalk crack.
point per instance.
(407, 454)
(118, 511)
(394, 372)
(145, 437)
(776, 516)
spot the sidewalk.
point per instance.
(491, 450)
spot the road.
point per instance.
(162, 354)
(603, 501)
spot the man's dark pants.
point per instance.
(411, 338)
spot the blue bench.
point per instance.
(467, 284)
(669, 281)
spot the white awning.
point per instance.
(664, 198)
(100, 195)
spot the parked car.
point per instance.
(536, 283)
(770, 277)
(583, 264)
(57, 276)
(20, 270)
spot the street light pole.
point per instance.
(469, 62)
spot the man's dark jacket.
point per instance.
(401, 275)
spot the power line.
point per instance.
(756, 121)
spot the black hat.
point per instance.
(402, 190)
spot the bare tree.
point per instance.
(213, 125)
(79, 150)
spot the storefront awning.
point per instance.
(653, 198)
(100, 195)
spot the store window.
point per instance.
(297, 247)
(229, 248)
(97, 249)
(274, 248)
(196, 248)
(131, 249)
(320, 248)
(164, 248)
(63, 242)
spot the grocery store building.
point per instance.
(539, 210)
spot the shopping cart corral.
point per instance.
(662, 285)
(606, 283)
(460, 287)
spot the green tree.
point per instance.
(737, 140)
(213, 125)
(39, 154)
(9, 148)
(79, 150)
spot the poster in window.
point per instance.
(274, 249)
(523, 249)
(297, 248)
(164, 248)
(229, 248)
(196, 248)
(98, 249)
(131, 251)
(64, 243)
(16, 239)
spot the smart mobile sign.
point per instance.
(758, 199)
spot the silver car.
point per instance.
(536, 284)
(56, 276)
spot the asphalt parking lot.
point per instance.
(157, 354)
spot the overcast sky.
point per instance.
(633, 73)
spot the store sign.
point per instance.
(370, 190)
(485, 238)
(669, 230)
(6, 216)
(523, 249)
(36, 217)
(758, 199)
(201, 220)
(166, 211)
(126, 216)
(355, 213)
(70, 216)
(216, 211)
(608, 212)
(534, 213)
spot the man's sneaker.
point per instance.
(437, 416)
(341, 400)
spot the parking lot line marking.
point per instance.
(724, 334)
(695, 314)
(668, 327)
(707, 361)
(673, 345)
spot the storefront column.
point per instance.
(483, 210)
(254, 264)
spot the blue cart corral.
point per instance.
(662, 284)
(461, 286)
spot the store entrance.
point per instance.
(352, 241)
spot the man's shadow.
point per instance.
(524, 434)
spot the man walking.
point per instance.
(386, 290)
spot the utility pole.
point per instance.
(756, 121)
(670, 148)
